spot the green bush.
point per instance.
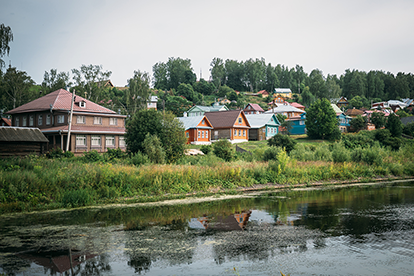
(206, 149)
(340, 154)
(92, 156)
(271, 153)
(223, 149)
(153, 149)
(139, 159)
(58, 153)
(76, 198)
(283, 141)
(111, 154)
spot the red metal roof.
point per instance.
(60, 100)
(255, 107)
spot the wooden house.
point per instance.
(297, 124)
(286, 110)
(284, 92)
(342, 102)
(263, 93)
(343, 120)
(262, 126)
(5, 121)
(93, 127)
(353, 112)
(253, 109)
(21, 141)
(232, 125)
(197, 130)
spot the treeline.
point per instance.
(177, 88)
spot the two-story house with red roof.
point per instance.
(232, 125)
(93, 127)
(253, 109)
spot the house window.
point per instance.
(24, 121)
(81, 140)
(301, 123)
(80, 119)
(110, 141)
(239, 132)
(202, 122)
(96, 141)
(40, 120)
(199, 134)
(244, 132)
(97, 120)
(240, 121)
(48, 119)
(187, 134)
(121, 141)
(61, 119)
(31, 120)
(17, 121)
(202, 134)
(82, 104)
(113, 121)
(235, 132)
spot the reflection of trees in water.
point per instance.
(172, 244)
(260, 242)
(96, 266)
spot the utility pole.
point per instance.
(70, 119)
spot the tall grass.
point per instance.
(36, 183)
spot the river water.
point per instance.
(349, 231)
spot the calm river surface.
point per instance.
(349, 231)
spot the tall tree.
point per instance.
(332, 87)
(255, 73)
(6, 36)
(394, 125)
(90, 81)
(236, 76)
(271, 81)
(317, 84)
(375, 85)
(53, 81)
(177, 70)
(218, 72)
(16, 89)
(160, 76)
(321, 121)
(137, 95)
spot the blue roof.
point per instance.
(192, 122)
(260, 120)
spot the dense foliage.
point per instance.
(321, 121)
(282, 141)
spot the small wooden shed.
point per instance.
(21, 141)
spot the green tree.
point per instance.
(307, 97)
(204, 87)
(223, 149)
(17, 88)
(394, 125)
(90, 80)
(6, 36)
(218, 72)
(358, 123)
(378, 119)
(164, 125)
(188, 92)
(271, 81)
(177, 105)
(321, 121)
(317, 84)
(332, 87)
(153, 149)
(255, 73)
(358, 102)
(235, 75)
(138, 93)
(53, 81)
(282, 141)
(160, 76)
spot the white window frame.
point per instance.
(40, 120)
(31, 120)
(96, 141)
(113, 121)
(199, 134)
(81, 140)
(97, 120)
(240, 121)
(82, 104)
(109, 139)
(80, 119)
(239, 132)
(244, 132)
(48, 117)
(121, 141)
(235, 132)
(61, 119)
(202, 134)
(24, 121)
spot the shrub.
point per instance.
(223, 149)
(153, 149)
(115, 153)
(271, 153)
(205, 149)
(340, 154)
(58, 153)
(283, 141)
(76, 198)
(92, 156)
(139, 159)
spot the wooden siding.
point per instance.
(8, 149)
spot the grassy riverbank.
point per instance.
(38, 183)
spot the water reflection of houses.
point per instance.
(236, 221)
(58, 261)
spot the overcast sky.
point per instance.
(124, 36)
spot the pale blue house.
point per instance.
(262, 126)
